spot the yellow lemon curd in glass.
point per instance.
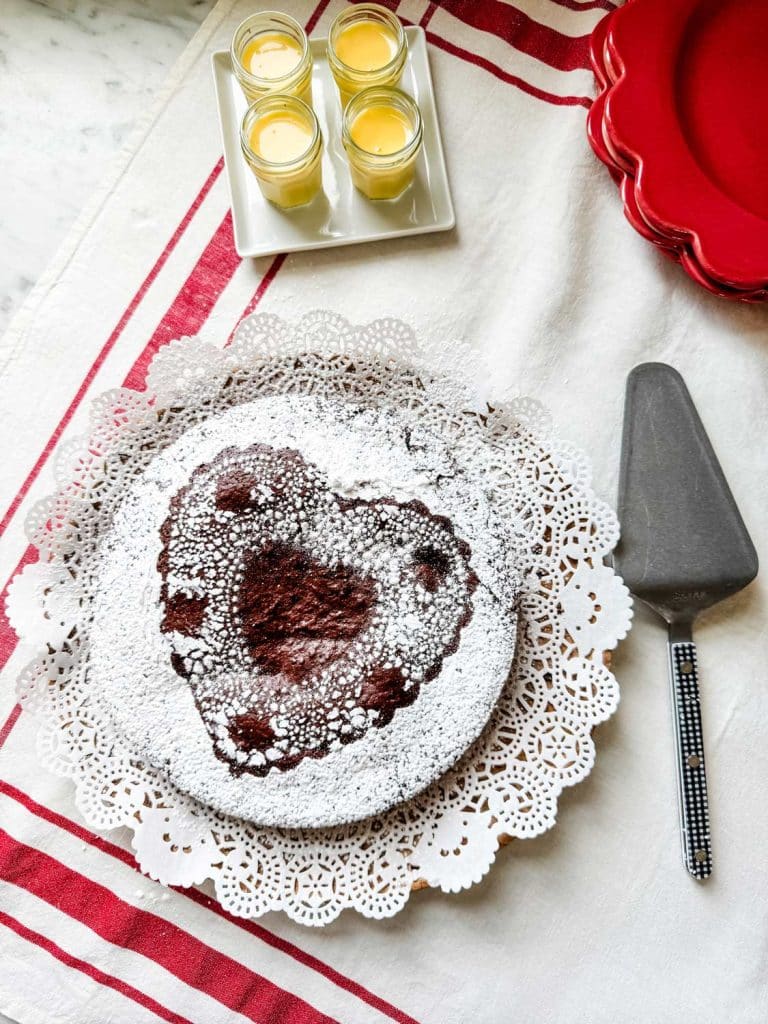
(381, 130)
(366, 47)
(382, 135)
(282, 144)
(271, 55)
(281, 137)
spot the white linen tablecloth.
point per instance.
(594, 923)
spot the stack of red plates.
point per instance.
(681, 122)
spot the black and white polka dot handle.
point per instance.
(691, 774)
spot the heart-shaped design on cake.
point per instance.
(302, 618)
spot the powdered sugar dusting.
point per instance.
(322, 724)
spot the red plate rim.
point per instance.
(596, 48)
(729, 242)
(675, 249)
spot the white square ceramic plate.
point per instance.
(340, 215)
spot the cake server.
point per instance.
(683, 548)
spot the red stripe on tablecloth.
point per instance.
(191, 961)
(110, 343)
(505, 76)
(78, 831)
(36, 939)
(302, 957)
(252, 927)
(425, 18)
(258, 295)
(8, 638)
(9, 723)
(562, 52)
(586, 5)
(316, 16)
(192, 306)
(391, 5)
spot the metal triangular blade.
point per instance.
(684, 545)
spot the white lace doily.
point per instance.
(539, 740)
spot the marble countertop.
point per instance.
(75, 75)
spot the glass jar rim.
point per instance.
(358, 12)
(263, 106)
(364, 99)
(271, 83)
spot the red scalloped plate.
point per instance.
(596, 132)
(688, 111)
(596, 51)
(625, 182)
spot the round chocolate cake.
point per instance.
(307, 611)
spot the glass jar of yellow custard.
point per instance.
(366, 47)
(270, 53)
(282, 144)
(382, 134)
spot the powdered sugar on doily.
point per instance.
(454, 642)
(539, 738)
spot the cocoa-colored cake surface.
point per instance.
(293, 643)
